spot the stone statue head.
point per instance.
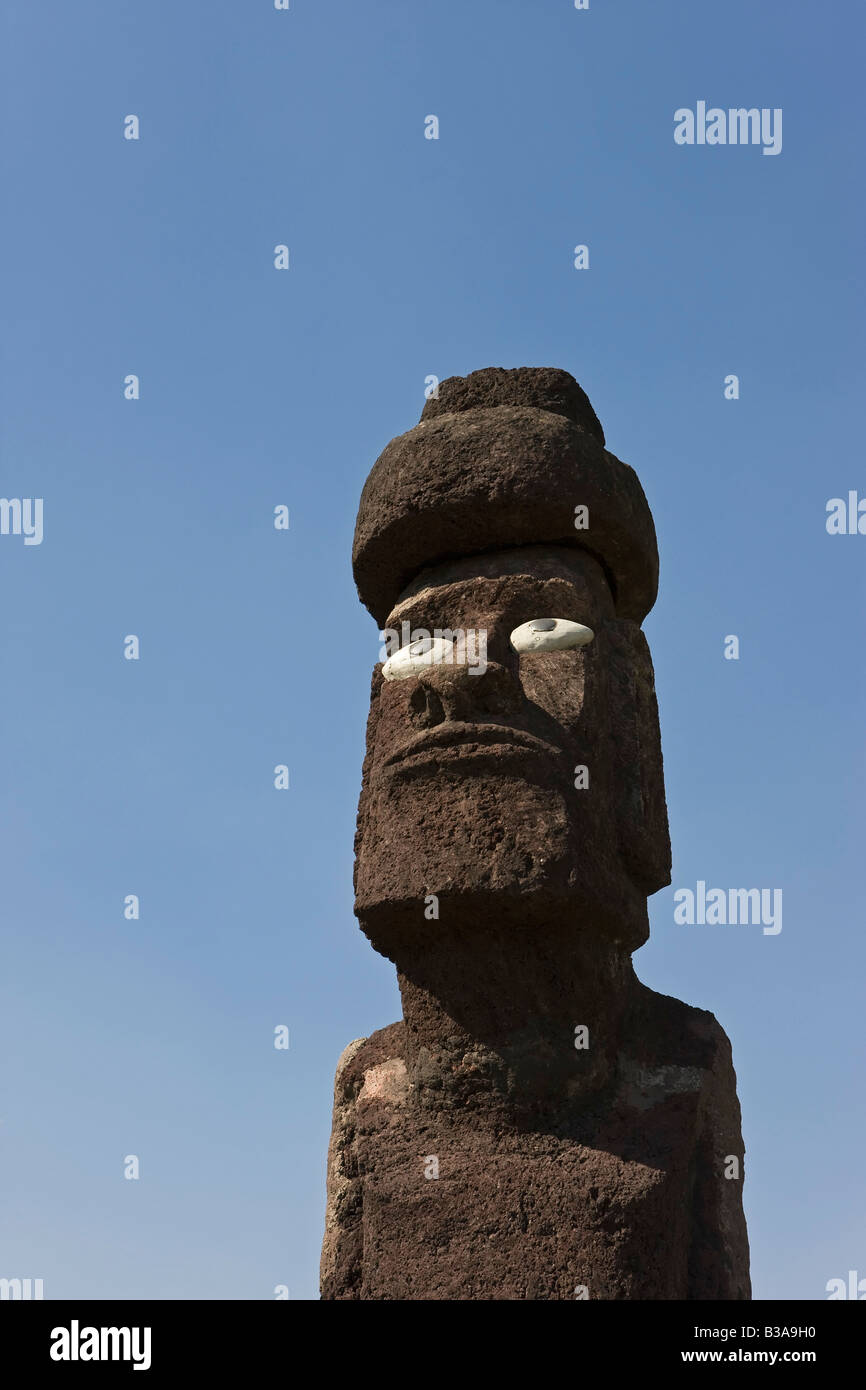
(513, 761)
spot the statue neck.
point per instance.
(512, 1017)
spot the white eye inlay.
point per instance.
(417, 656)
(550, 635)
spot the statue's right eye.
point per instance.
(417, 656)
(550, 635)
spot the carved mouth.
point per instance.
(460, 740)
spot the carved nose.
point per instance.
(444, 694)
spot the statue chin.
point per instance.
(474, 837)
(510, 911)
(510, 852)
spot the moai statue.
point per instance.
(540, 1125)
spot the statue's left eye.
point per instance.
(550, 635)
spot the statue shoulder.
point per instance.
(367, 1059)
(368, 1068)
(661, 1030)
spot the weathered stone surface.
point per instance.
(512, 823)
(537, 388)
(621, 1196)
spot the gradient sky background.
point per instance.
(408, 257)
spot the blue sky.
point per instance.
(409, 257)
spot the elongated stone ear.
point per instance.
(376, 683)
(637, 780)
